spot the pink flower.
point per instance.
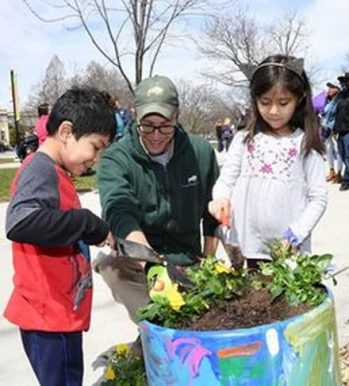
(251, 147)
(292, 152)
(267, 168)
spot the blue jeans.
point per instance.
(55, 357)
(343, 150)
(332, 154)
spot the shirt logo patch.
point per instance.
(191, 181)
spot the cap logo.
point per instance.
(155, 91)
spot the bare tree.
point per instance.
(55, 83)
(50, 87)
(123, 29)
(288, 35)
(105, 79)
(201, 106)
(236, 43)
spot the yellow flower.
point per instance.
(122, 349)
(109, 373)
(174, 297)
(222, 268)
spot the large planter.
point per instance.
(299, 351)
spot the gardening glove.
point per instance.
(161, 287)
(291, 238)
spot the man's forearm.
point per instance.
(210, 245)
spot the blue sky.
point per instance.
(28, 44)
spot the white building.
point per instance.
(4, 131)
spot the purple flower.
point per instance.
(292, 152)
(251, 147)
(267, 168)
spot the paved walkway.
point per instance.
(110, 323)
(9, 155)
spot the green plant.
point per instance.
(291, 274)
(212, 281)
(295, 275)
(123, 368)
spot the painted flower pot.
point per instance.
(299, 351)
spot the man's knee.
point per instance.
(126, 280)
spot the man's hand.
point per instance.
(139, 237)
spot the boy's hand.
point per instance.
(108, 241)
(219, 206)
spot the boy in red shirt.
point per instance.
(51, 300)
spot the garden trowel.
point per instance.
(127, 249)
(228, 236)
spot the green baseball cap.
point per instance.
(156, 95)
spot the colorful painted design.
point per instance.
(299, 351)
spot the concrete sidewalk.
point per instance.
(110, 323)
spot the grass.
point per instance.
(85, 183)
(6, 176)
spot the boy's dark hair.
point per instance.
(43, 109)
(88, 111)
(285, 70)
(109, 98)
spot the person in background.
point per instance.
(50, 233)
(40, 125)
(272, 182)
(218, 130)
(123, 118)
(341, 127)
(328, 119)
(227, 133)
(155, 185)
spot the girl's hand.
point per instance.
(108, 241)
(290, 239)
(218, 207)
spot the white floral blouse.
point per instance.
(272, 187)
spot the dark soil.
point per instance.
(255, 309)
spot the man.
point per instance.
(341, 127)
(155, 185)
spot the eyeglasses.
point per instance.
(147, 128)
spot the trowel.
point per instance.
(227, 234)
(127, 249)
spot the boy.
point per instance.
(51, 300)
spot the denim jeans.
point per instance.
(332, 154)
(55, 357)
(343, 150)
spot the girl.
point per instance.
(273, 179)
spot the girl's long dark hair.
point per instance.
(296, 82)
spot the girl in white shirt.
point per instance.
(273, 181)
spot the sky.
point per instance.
(28, 44)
